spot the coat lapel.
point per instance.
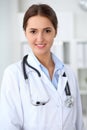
(61, 84)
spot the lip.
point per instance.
(40, 45)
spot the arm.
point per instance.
(79, 124)
(78, 106)
(10, 103)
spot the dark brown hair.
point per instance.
(42, 10)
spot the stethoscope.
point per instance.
(69, 100)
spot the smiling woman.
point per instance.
(40, 34)
(40, 84)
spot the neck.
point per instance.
(46, 60)
(48, 63)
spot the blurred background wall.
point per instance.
(8, 33)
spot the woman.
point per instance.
(40, 92)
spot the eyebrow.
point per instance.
(37, 29)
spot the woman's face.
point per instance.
(40, 34)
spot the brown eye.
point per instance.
(47, 30)
(33, 31)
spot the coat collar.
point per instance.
(32, 60)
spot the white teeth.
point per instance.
(40, 45)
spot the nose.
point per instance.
(40, 37)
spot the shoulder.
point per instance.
(70, 74)
(68, 69)
(72, 78)
(12, 76)
(13, 69)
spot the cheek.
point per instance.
(50, 40)
(28, 36)
(30, 39)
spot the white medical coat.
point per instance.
(18, 113)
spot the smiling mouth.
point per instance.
(40, 45)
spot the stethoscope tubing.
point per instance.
(67, 89)
(24, 68)
(69, 100)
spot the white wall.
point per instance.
(8, 10)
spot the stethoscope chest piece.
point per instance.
(69, 101)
